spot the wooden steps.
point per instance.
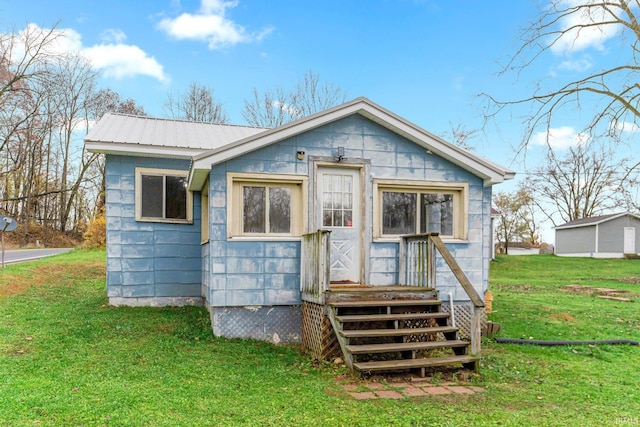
(387, 303)
(405, 346)
(397, 334)
(392, 365)
(364, 333)
(396, 316)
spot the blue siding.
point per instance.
(268, 273)
(154, 260)
(145, 259)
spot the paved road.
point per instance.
(22, 255)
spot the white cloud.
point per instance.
(579, 65)
(113, 35)
(210, 25)
(578, 37)
(120, 61)
(114, 58)
(560, 138)
(58, 41)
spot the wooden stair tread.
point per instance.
(404, 346)
(360, 333)
(385, 365)
(385, 303)
(392, 316)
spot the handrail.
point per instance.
(457, 271)
(416, 263)
(314, 265)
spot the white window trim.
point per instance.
(299, 208)
(460, 191)
(138, 195)
(204, 201)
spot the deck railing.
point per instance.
(418, 268)
(314, 266)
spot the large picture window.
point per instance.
(266, 205)
(409, 207)
(162, 196)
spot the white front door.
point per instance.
(629, 240)
(339, 209)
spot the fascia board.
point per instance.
(490, 172)
(590, 224)
(141, 150)
(247, 145)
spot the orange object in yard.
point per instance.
(488, 301)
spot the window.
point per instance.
(266, 205)
(162, 196)
(410, 207)
(337, 200)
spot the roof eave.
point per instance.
(488, 171)
(590, 224)
(197, 178)
(126, 149)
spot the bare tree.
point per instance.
(460, 135)
(22, 55)
(583, 183)
(515, 222)
(276, 107)
(48, 100)
(106, 100)
(562, 27)
(197, 104)
(310, 96)
(267, 110)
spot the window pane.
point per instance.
(327, 218)
(337, 201)
(253, 209)
(176, 197)
(398, 213)
(436, 213)
(279, 210)
(348, 218)
(151, 197)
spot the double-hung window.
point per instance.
(162, 196)
(415, 207)
(266, 205)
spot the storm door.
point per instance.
(339, 209)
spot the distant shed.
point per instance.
(605, 236)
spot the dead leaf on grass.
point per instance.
(563, 316)
(632, 279)
(50, 275)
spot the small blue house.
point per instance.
(217, 214)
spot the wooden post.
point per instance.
(402, 260)
(431, 264)
(476, 331)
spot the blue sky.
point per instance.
(426, 60)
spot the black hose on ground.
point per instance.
(552, 343)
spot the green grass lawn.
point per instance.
(67, 358)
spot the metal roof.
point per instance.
(124, 134)
(594, 220)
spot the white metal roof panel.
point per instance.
(113, 130)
